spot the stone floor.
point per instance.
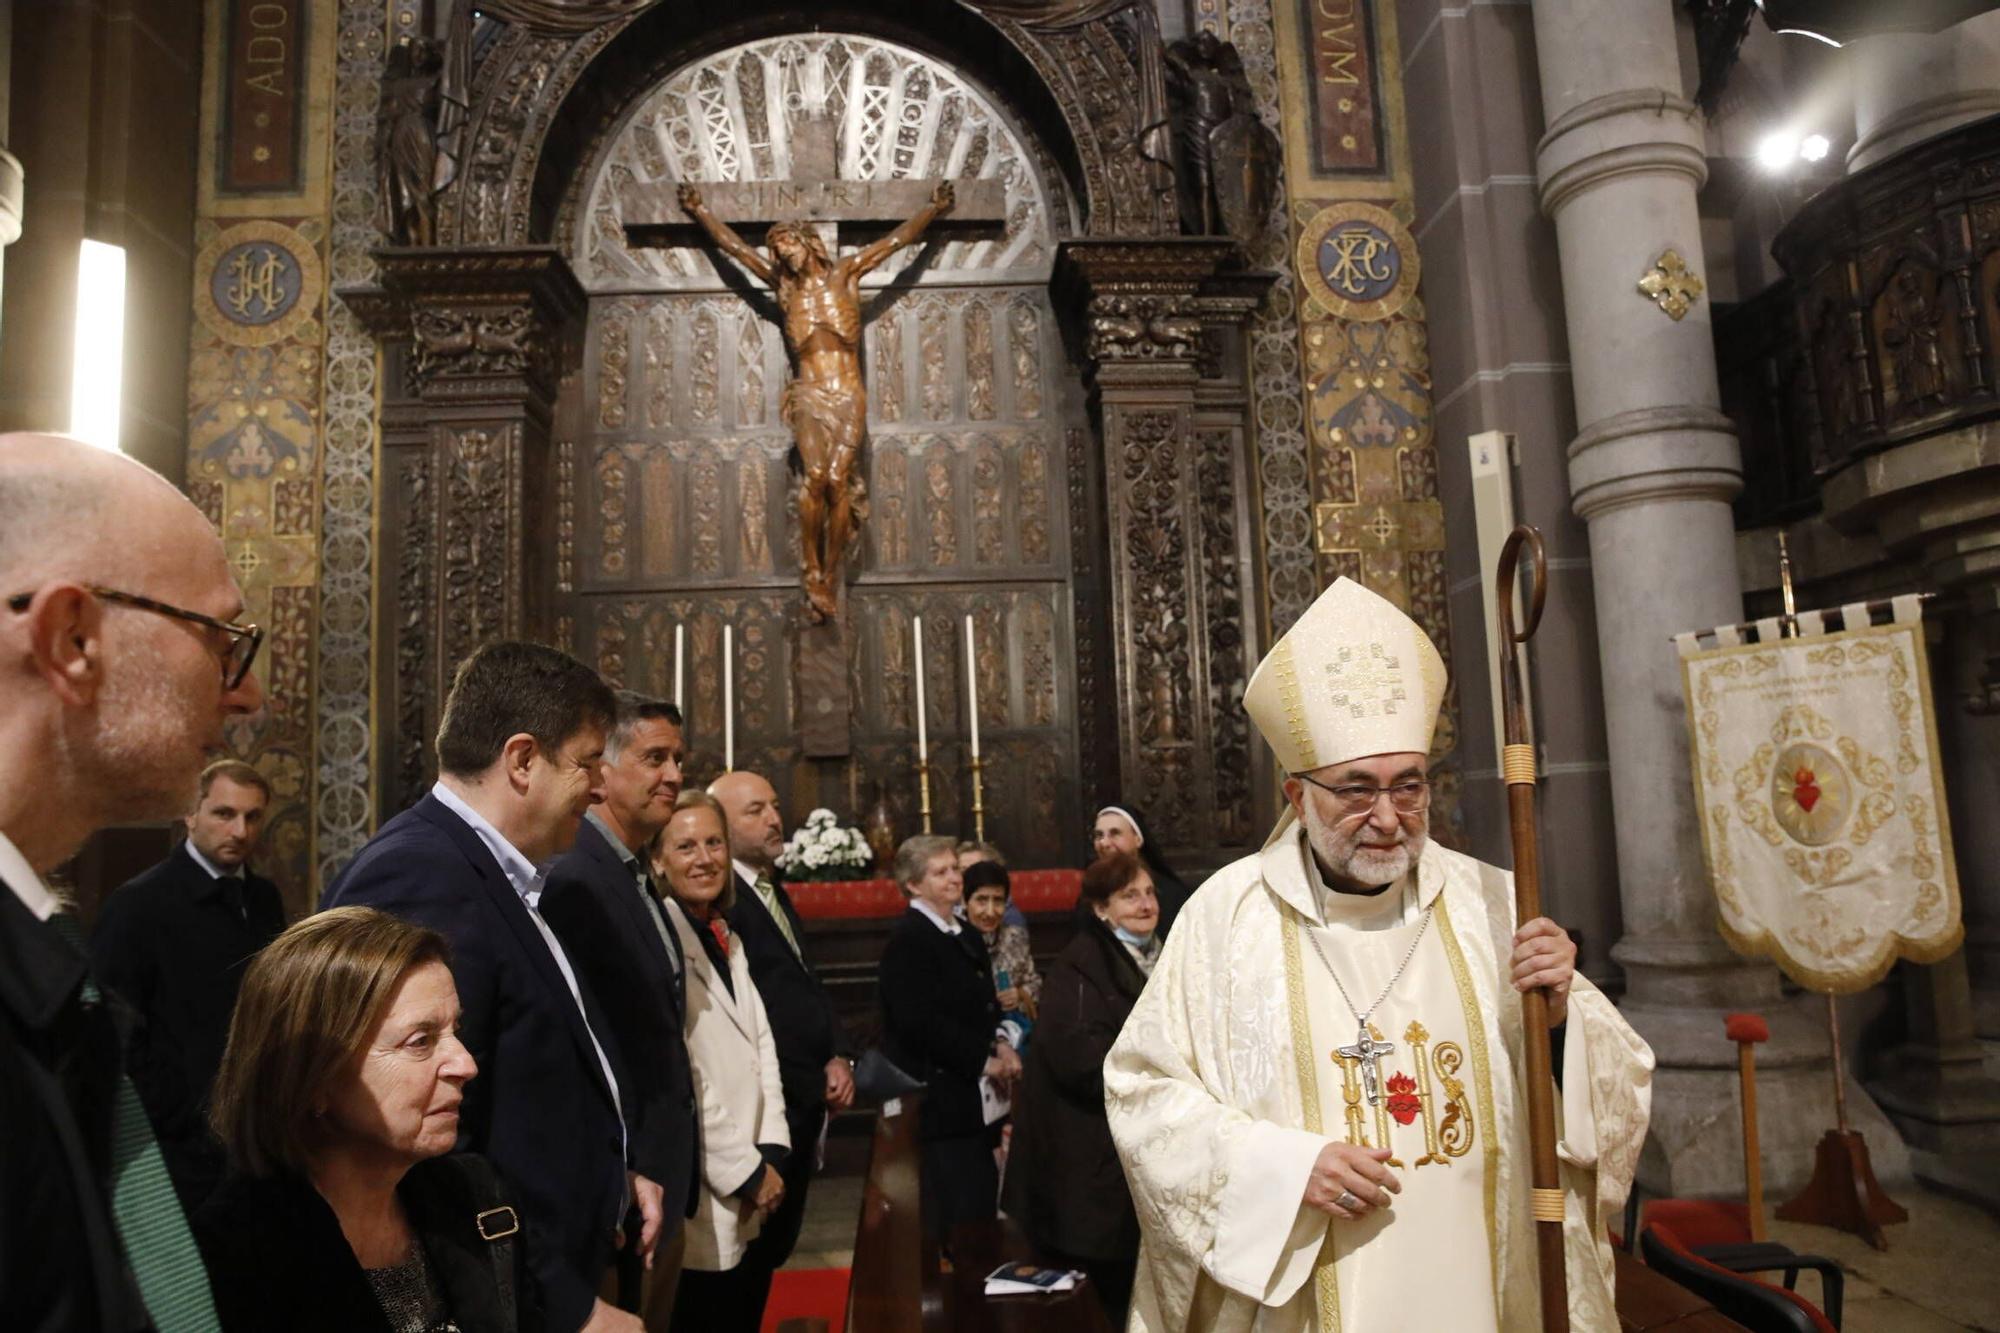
(1941, 1272)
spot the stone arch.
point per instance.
(541, 103)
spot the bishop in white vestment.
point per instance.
(1319, 1096)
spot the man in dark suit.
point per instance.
(817, 1080)
(173, 944)
(941, 1025)
(520, 755)
(605, 909)
(119, 664)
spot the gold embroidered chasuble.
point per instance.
(1227, 1081)
(1426, 1260)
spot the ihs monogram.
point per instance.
(1449, 1129)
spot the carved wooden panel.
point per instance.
(684, 516)
(1896, 283)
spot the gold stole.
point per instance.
(1445, 1136)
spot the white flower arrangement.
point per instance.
(820, 849)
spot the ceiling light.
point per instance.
(1814, 147)
(1778, 151)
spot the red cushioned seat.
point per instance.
(1759, 1306)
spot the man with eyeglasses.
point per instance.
(120, 660)
(1319, 1098)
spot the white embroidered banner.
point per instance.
(1821, 796)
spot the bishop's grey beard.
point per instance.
(1341, 854)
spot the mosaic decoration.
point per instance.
(256, 386)
(345, 752)
(1341, 343)
(262, 284)
(1357, 261)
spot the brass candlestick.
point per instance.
(978, 798)
(924, 790)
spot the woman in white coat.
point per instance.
(743, 1136)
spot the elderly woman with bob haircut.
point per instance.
(941, 1025)
(744, 1137)
(1065, 1186)
(338, 1104)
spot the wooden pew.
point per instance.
(898, 1284)
(895, 1286)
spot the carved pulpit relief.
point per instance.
(824, 403)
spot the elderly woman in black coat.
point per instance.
(346, 1210)
(1065, 1187)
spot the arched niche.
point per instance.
(540, 104)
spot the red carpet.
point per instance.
(812, 1292)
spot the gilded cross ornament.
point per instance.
(1672, 285)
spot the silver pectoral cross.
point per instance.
(1368, 1051)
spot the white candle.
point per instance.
(923, 732)
(729, 698)
(680, 673)
(972, 685)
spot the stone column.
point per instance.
(475, 342)
(1161, 322)
(1912, 86)
(1651, 472)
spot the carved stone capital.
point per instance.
(484, 323)
(1145, 301)
(1142, 327)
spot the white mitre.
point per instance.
(1354, 677)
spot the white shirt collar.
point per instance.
(943, 923)
(749, 872)
(214, 871)
(519, 870)
(26, 884)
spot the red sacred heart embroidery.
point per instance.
(1805, 788)
(1403, 1103)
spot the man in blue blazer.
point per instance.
(520, 754)
(606, 909)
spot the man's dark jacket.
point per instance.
(62, 1267)
(939, 1014)
(806, 1034)
(803, 1025)
(173, 948)
(612, 936)
(539, 1109)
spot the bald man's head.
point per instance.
(756, 826)
(117, 707)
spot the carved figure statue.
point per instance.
(1229, 159)
(406, 149)
(825, 404)
(1914, 342)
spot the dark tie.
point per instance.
(144, 1205)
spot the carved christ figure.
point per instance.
(825, 404)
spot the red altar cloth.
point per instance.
(1034, 891)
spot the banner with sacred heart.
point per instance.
(1821, 794)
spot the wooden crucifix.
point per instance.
(825, 402)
